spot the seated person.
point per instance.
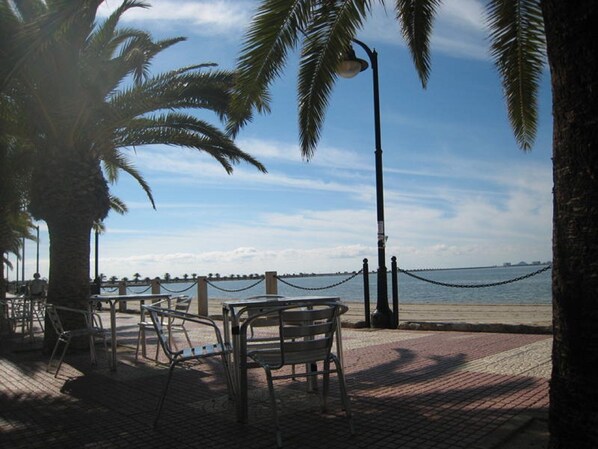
(38, 286)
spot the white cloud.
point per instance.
(209, 17)
(475, 232)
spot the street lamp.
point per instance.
(348, 68)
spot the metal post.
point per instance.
(37, 250)
(395, 292)
(382, 316)
(97, 263)
(23, 263)
(17, 273)
(366, 292)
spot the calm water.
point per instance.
(533, 290)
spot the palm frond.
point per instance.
(172, 90)
(38, 28)
(118, 205)
(102, 37)
(186, 131)
(417, 18)
(118, 160)
(518, 50)
(272, 34)
(327, 38)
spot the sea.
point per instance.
(518, 284)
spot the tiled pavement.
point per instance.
(409, 389)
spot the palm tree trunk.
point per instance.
(573, 57)
(69, 271)
(70, 193)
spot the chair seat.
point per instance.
(202, 351)
(84, 332)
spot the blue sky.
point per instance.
(458, 191)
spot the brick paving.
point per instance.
(408, 389)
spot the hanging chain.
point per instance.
(493, 284)
(318, 288)
(235, 290)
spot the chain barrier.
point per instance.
(111, 290)
(178, 291)
(141, 292)
(319, 288)
(493, 284)
(234, 290)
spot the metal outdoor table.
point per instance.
(112, 300)
(234, 311)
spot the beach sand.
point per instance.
(493, 317)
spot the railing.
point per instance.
(271, 280)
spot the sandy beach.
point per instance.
(459, 316)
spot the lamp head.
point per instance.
(351, 65)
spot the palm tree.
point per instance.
(521, 30)
(136, 277)
(88, 99)
(15, 221)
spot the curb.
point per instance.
(476, 327)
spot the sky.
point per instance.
(458, 191)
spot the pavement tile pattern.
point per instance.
(408, 389)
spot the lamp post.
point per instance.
(349, 67)
(23, 263)
(37, 249)
(97, 261)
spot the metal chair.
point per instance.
(93, 329)
(181, 304)
(159, 316)
(305, 337)
(145, 325)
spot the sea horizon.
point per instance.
(467, 285)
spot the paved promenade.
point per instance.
(408, 389)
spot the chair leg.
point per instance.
(164, 391)
(343, 390)
(187, 336)
(274, 408)
(108, 361)
(92, 350)
(138, 341)
(53, 354)
(228, 376)
(67, 342)
(325, 386)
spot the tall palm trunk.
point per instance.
(573, 57)
(3, 322)
(69, 193)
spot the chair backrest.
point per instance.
(52, 313)
(182, 303)
(91, 319)
(305, 334)
(264, 320)
(159, 316)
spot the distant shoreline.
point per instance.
(146, 282)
